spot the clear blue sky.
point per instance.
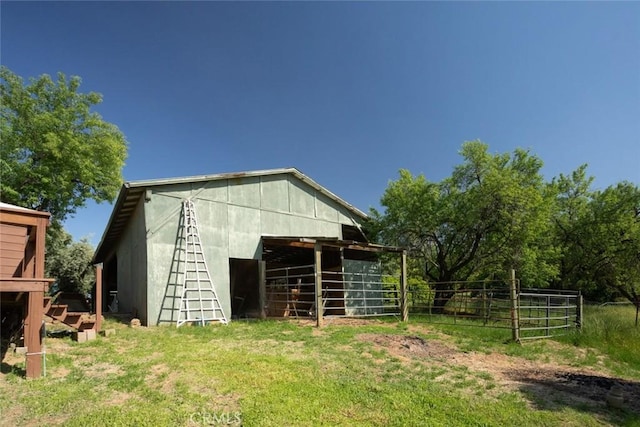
(348, 93)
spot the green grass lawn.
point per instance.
(271, 373)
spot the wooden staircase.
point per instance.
(78, 320)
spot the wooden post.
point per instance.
(515, 324)
(35, 301)
(485, 313)
(579, 311)
(262, 288)
(317, 249)
(97, 304)
(403, 288)
(32, 337)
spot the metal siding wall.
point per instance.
(244, 231)
(274, 194)
(325, 210)
(212, 213)
(245, 192)
(132, 274)
(275, 224)
(362, 279)
(233, 215)
(302, 199)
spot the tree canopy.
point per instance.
(69, 262)
(598, 234)
(496, 212)
(488, 213)
(56, 153)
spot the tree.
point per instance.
(69, 262)
(615, 240)
(573, 204)
(56, 153)
(598, 233)
(491, 214)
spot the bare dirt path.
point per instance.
(548, 384)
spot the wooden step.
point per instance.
(73, 319)
(86, 324)
(57, 311)
(46, 304)
(78, 320)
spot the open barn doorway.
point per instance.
(244, 281)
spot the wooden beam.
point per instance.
(18, 284)
(20, 218)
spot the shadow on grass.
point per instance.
(6, 369)
(585, 393)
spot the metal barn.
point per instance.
(273, 243)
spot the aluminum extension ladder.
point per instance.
(199, 302)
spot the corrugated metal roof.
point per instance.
(131, 192)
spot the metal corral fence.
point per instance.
(528, 313)
(291, 292)
(544, 313)
(366, 292)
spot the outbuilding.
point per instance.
(275, 243)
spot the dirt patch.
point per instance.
(547, 384)
(116, 398)
(410, 346)
(162, 377)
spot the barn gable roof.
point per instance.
(130, 193)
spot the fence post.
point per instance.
(579, 311)
(547, 313)
(318, 270)
(485, 313)
(262, 288)
(566, 314)
(515, 324)
(403, 287)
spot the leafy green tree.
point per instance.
(598, 233)
(573, 205)
(615, 240)
(69, 262)
(490, 215)
(56, 153)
